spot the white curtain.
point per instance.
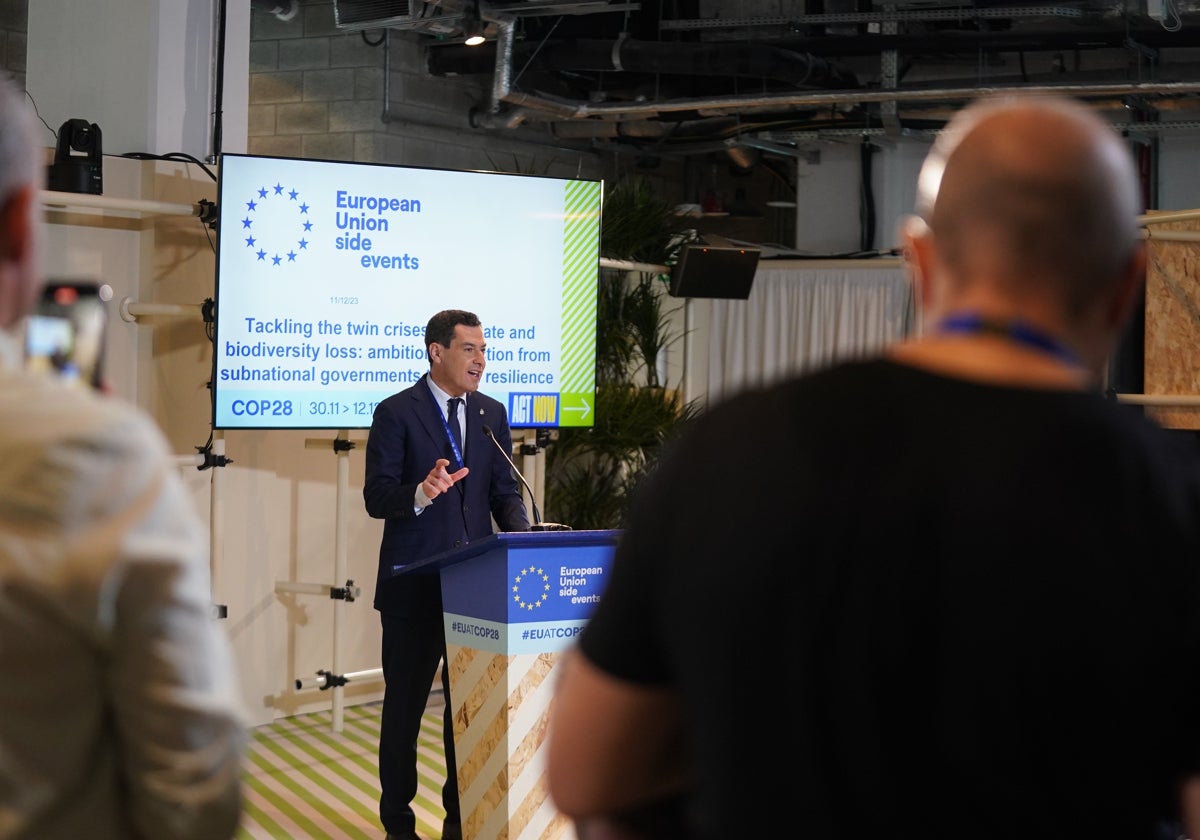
(798, 320)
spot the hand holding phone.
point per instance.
(65, 334)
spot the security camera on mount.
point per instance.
(78, 160)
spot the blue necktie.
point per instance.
(455, 431)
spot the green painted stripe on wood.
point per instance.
(265, 825)
(336, 789)
(318, 779)
(330, 744)
(285, 804)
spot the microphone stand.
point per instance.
(538, 524)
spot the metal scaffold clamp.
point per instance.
(210, 460)
(326, 680)
(208, 213)
(345, 593)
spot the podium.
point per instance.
(511, 602)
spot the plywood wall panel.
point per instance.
(1172, 348)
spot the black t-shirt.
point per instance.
(905, 605)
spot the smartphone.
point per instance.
(65, 334)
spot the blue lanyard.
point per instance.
(1016, 331)
(450, 437)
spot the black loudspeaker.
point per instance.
(78, 161)
(714, 268)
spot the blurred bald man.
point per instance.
(957, 593)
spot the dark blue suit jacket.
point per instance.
(407, 436)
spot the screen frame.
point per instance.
(534, 277)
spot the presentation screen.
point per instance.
(327, 273)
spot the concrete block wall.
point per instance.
(316, 91)
(14, 31)
(305, 76)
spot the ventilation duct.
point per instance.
(370, 14)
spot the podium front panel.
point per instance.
(509, 610)
(523, 599)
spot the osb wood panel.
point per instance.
(1172, 347)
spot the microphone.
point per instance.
(538, 524)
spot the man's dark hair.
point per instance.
(441, 326)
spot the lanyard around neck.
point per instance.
(1014, 330)
(450, 436)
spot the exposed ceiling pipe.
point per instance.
(550, 108)
(218, 111)
(759, 61)
(629, 120)
(611, 129)
(556, 108)
(457, 59)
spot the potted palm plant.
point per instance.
(592, 472)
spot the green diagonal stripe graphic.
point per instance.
(305, 782)
(581, 255)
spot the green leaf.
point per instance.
(592, 473)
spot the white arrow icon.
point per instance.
(586, 408)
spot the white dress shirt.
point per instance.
(422, 501)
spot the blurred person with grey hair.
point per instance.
(955, 592)
(119, 710)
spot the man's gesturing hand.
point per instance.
(439, 480)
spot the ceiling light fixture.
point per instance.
(473, 26)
